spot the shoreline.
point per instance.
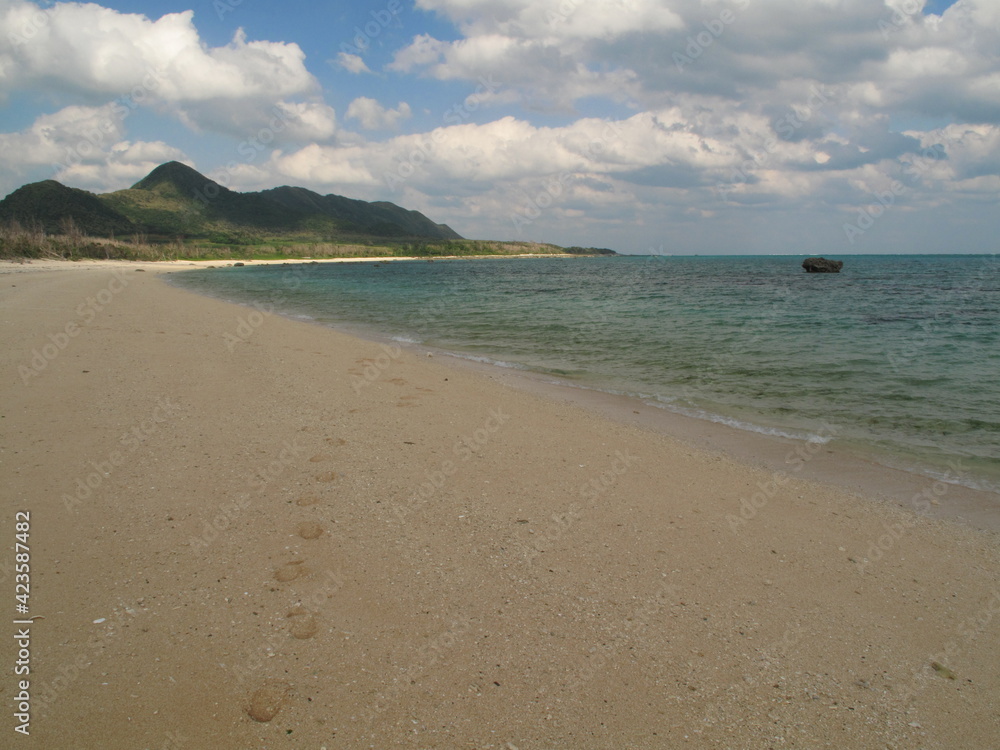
(909, 489)
(913, 488)
(8, 265)
(313, 539)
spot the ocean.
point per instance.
(896, 358)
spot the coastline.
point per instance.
(495, 566)
(855, 469)
(908, 489)
(52, 264)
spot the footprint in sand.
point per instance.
(290, 571)
(336, 441)
(320, 457)
(303, 623)
(306, 500)
(310, 530)
(267, 700)
(326, 476)
(397, 381)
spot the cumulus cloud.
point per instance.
(645, 52)
(103, 52)
(351, 63)
(555, 19)
(99, 53)
(701, 159)
(84, 146)
(278, 122)
(730, 117)
(125, 163)
(373, 116)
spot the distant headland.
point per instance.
(176, 212)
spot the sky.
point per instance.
(645, 126)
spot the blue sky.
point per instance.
(673, 126)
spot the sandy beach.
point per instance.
(254, 532)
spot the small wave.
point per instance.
(668, 404)
(963, 480)
(487, 360)
(405, 339)
(739, 424)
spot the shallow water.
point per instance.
(896, 356)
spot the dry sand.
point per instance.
(315, 541)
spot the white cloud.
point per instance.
(98, 53)
(277, 122)
(351, 63)
(556, 19)
(82, 146)
(103, 52)
(702, 157)
(126, 163)
(373, 116)
(735, 117)
(645, 52)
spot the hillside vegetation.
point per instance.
(176, 213)
(17, 242)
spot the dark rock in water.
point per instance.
(822, 265)
(237, 265)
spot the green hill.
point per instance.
(175, 200)
(51, 206)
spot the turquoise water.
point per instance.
(897, 357)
